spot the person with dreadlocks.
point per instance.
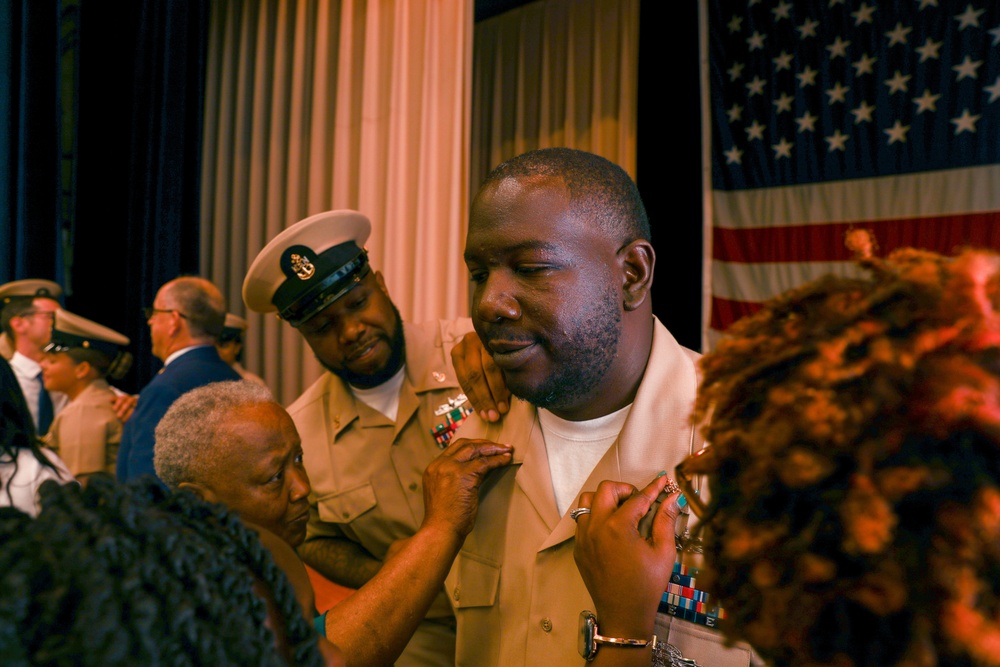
(134, 575)
(24, 463)
(854, 471)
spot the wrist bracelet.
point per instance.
(590, 638)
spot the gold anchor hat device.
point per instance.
(309, 266)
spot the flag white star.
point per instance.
(808, 28)
(924, 4)
(735, 23)
(863, 112)
(835, 2)
(807, 77)
(993, 90)
(996, 35)
(926, 102)
(756, 41)
(783, 103)
(930, 49)
(897, 133)
(966, 122)
(783, 61)
(807, 122)
(864, 65)
(838, 48)
(838, 93)
(734, 112)
(967, 68)
(863, 15)
(756, 87)
(969, 19)
(736, 71)
(898, 34)
(782, 11)
(836, 141)
(733, 156)
(755, 131)
(783, 148)
(898, 82)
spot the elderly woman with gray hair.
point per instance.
(230, 442)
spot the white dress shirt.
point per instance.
(27, 371)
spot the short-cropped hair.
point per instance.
(599, 190)
(201, 303)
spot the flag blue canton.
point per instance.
(839, 89)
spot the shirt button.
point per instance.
(546, 625)
(347, 515)
(414, 486)
(455, 593)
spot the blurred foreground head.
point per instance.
(132, 575)
(855, 467)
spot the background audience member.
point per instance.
(229, 441)
(184, 323)
(230, 346)
(28, 311)
(854, 471)
(24, 465)
(129, 575)
(86, 434)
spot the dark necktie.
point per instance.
(44, 408)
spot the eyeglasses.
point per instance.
(50, 314)
(149, 311)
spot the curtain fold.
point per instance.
(30, 146)
(556, 73)
(314, 105)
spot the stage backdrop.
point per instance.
(827, 116)
(318, 105)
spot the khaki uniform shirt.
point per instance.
(366, 470)
(86, 434)
(516, 589)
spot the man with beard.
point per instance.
(558, 248)
(370, 426)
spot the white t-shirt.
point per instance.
(23, 482)
(385, 397)
(575, 448)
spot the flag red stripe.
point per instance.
(727, 311)
(825, 242)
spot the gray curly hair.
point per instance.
(195, 422)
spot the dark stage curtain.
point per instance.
(128, 208)
(668, 165)
(142, 73)
(30, 210)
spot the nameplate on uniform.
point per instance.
(444, 431)
(684, 600)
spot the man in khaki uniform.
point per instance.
(81, 354)
(558, 248)
(388, 405)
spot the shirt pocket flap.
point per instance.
(347, 506)
(477, 583)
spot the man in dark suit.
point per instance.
(184, 322)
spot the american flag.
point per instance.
(835, 114)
